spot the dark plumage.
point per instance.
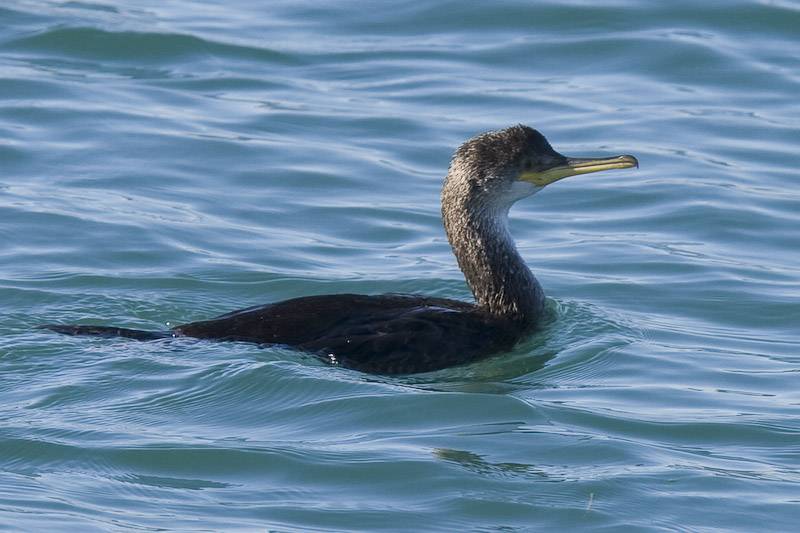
(399, 334)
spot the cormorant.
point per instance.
(404, 334)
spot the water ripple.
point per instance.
(167, 162)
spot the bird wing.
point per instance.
(388, 333)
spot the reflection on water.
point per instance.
(477, 464)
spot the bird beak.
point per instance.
(577, 165)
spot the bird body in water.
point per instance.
(404, 334)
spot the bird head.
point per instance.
(516, 162)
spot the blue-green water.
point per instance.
(162, 162)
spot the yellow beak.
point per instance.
(575, 166)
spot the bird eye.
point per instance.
(528, 164)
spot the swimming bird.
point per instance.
(405, 334)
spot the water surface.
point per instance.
(172, 161)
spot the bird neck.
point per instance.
(495, 272)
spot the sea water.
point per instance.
(163, 162)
